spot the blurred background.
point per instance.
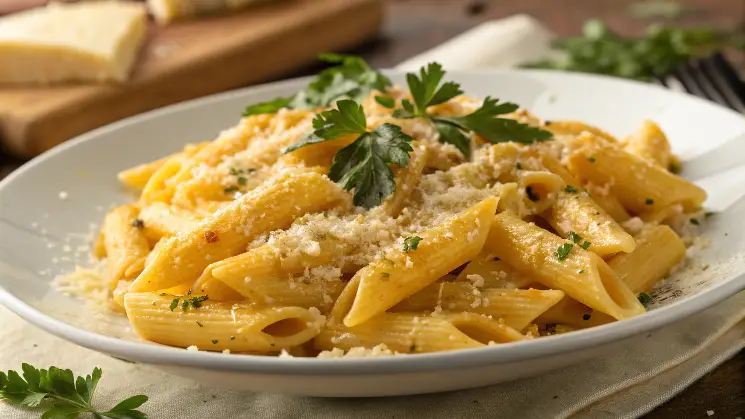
(112, 61)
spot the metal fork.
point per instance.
(712, 78)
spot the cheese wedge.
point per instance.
(88, 41)
(167, 11)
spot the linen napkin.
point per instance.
(640, 375)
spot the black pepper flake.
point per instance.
(586, 316)
(232, 338)
(214, 342)
(137, 223)
(412, 348)
(200, 324)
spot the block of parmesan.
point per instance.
(87, 41)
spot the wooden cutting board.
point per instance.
(187, 60)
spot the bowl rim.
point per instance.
(149, 353)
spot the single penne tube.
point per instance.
(138, 176)
(576, 212)
(494, 272)
(386, 281)
(576, 128)
(641, 186)
(160, 219)
(539, 190)
(571, 312)
(239, 327)
(125, 244)
(649, 143)
(658, 250)
(561, 265)
(274, 205)
(609, 203)
(217, 290)
(158, 187)
(516, 307)
(406, 180)
(417, 333)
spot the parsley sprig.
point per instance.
(352, 78)
(427, 90)
(61, 395)
(362, 165)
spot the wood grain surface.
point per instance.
(413, 26)
(187, 60)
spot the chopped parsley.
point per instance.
(427, 90)
(574, 237)
(563, 251)
(385, 274)
(412, 348)
(193, 302)
(231, 189)
(174, 304)
(592, 159)
(138, 223)
(674, 168)
(708, 214)
(586, 245)
(385, 259)
(694, 221)
(364, 164)
(411, 243)
(644, 298)
(215, 341)
(351, 78)
(570, 189)
(649, 201)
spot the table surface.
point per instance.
(413, 26)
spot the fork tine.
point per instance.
(695, 71)
(683, 74)
(729, 85)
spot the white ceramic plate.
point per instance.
(40, 235)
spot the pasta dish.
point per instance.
(356, 218)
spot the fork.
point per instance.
(712, 78)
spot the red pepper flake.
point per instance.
(211, 237)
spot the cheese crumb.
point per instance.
(63, 195)
(192, 348)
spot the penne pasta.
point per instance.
(580, 274)
(237, 327)
(387, 281)
(649, 143)
(415, 333)
(640, 271)
(231, 229)
(516, 307)
(125, 244)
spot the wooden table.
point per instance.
(413, 26)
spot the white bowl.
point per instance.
(32, 215)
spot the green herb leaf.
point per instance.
(61, 394)
(174, 304)
(570, 189)
(695, 221)
(348, 119)
(426, 90)
(411, 243)
(451, 134)
(484, 122)
(586, 245)
(352, 78)
(563, 251)
(649, 201)
(386, 101)
(363, 165)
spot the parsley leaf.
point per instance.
(644, 298)
(574, 237)
(61, 395)
(362, 165)
(411, 243)
(570, 189)
(352, 78)
(427, 91)
(386, 101)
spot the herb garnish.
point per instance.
(386, 101)
(599, 50)
(644, 298)
(362, 165)
(563, 251)
(61, 395)
(592, 159)
(138, 223)
(174, 304)
(194, 302)
(576, 239)
(411, 243)
(570, 189)
(649, 201)
(352, 78)
(427, 91)
(695, 221)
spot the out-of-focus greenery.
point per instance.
(599, 50)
